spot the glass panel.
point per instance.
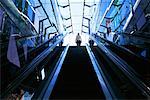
(32, 2)
(23, 5)
(66, 14)
(30, 13)
(85, 29)
(87, 12)
(1, 19)
(36, 22)
(85, 22)
(69, 29)
(141, 21)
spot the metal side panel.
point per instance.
(107, 91)
(46, 92)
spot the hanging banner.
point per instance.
(12, 53)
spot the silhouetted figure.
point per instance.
(78, 40)
(110, 34)
(91, 42)
(61, 43)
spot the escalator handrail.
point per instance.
(107, 90)
(26, 70)
(127, 52)
(48, 87)
(120, 47)
(34, 49)
(43, 44)
(124, 67)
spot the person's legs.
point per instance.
(79, 43)
(91, 42)
(61, 43)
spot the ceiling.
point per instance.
(76, 8)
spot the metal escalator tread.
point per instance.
(77, 79)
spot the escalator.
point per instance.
(119, 82)
(27, 81)
(47, 64)
(136, 62)
(77, 78)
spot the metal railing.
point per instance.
(27, 69)
(123, 66)
(48, 87)
(108, 92)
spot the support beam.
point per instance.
(67, 18)
(89, 5)
(43, 19)
(54, 16)
(70, 13)
(68, 26)
(37, 7)
(63, 6)
(45, 12)
(86, 18)
(71, 32)
(104, 26)
(84, 31)
(85, 26)
(46, 30)
(82, 16)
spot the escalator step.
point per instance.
(77, 78)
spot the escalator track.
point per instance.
(136, 62)
(121, 85)
(77, 78)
